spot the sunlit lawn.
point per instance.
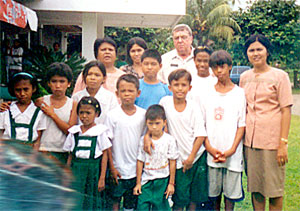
(292, 184)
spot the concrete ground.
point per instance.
(296, 105)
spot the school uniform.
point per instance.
(107, 101)
(127, 131)
(87, 151)
(185, 126)
(155, 176)
(23, 126)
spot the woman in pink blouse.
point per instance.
(269, 101)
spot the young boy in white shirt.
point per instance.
(186, 125)
(127, 123)
(155, 180)
(224, 113)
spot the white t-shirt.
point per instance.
(107, 101)
(172, 61)
(25, 118)
(127, 131)
(157, 165)
(201, 87)
(184, 126)
(223, 114)
(103, 142)
(53, 138)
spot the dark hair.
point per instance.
(89, 101)
(151, 53)
(94, 63)
(219, 58)
(262, 40)
(100, 41)
(22, 76)
(135, 40)
(179, 73)
(59, 69)
(156, 112)
(56, 43)
(203, 48)
(130, 79)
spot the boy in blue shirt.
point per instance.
(152, 90)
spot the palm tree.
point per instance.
(211, 20)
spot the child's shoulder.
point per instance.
(74, 129)
(166, 100)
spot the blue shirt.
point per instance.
(151, 94)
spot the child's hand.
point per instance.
(36, 146)
(137, 189)
(115, 174)
(170, 190)
(48, 110)
(148, 144)
(187, 164)
(101, 185)
(4, 106)
(229, 152)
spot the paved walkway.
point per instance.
(296, 106)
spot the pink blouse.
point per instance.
(266, 94)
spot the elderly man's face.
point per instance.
(182, 42)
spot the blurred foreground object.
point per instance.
(29, 180)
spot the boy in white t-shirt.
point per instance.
(224, 113)
(127, 123)
(186, 125)
(155, 180)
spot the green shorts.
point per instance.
(192, 186)
(153, 195)
(125, 190)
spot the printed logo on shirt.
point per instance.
(219, 112)
(174, 65)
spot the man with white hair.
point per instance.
(181, 56)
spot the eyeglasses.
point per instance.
(202, 47)
(183, 37)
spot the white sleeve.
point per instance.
(69, 143)
(110, 124)
(114, 102)
(173, 153)
(103, 141)
(242, 111)
(141, 153)
(42, 121)
(198, 121)
(2, 119)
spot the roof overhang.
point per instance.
(18, 15)
(128, 13)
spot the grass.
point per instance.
(295, 91)
(292, 180)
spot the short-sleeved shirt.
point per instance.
(151, 94)
(156, 165)
(201, 87)
(184, 126)
(53, 138)
(127, 131)
(172, 61)
(103, 142)
(224, 113)
(266, 93)
(107, 101)
(22, 117)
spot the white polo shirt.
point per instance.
(172, 61)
